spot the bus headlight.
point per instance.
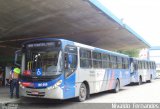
(55, 85)
(21, 85)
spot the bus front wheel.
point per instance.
(82, 93)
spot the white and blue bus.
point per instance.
(62, 69)
(142, 70)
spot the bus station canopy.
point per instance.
(84, 21)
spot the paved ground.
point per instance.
(4, 95)
(146, 93)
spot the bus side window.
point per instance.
(70, 60)
(136, 65)
(112, 61)
(132, 67)
(119, 62)
(97, 59)
(85, 58)
(139, 64)
(125, 63)
(105, 61)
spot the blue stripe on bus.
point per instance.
(45, 84)
(69, 86)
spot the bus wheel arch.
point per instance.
(88, 89)
(117, 86)
(84, 91)
(150, 79)
(140, 80)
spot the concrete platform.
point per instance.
(4, 96)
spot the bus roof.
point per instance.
(138, 59)
(76, 43)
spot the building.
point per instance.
(152, 54)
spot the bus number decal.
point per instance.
(42, 84)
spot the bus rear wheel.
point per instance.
(140, 81)
(82, 93)
(117, 86)
(150, 79)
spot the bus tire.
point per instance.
(150, 79)
(117, 86)
(82, 93)
(140, 80)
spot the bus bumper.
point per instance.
(56, 93)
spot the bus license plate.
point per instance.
(35, 93)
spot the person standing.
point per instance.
(14, 81)
(1, 78)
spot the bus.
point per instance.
(62, 69)
(142, 70)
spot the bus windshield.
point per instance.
(49, 60)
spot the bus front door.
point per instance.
(70, 65)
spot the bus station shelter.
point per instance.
(84, 21)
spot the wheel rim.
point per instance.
(82, 92)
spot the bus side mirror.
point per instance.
(18, 58)
(70, 59)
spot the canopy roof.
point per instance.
(83, 21)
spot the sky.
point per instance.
(143, 16)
